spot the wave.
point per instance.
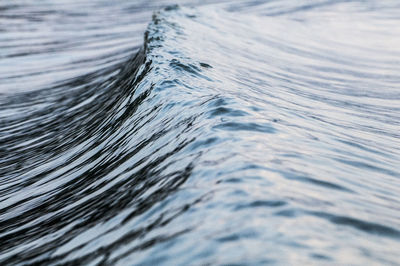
(227, 138)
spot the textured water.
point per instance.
(246, 133)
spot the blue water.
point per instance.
(204, 133)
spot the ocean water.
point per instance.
(202, 133)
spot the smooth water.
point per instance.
(246, 133)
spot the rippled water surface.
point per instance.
(209, 132)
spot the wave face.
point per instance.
(238, 132)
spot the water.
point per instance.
(245, 132)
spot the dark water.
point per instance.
(247, 133)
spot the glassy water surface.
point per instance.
(209, 132)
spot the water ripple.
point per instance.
(246, 132)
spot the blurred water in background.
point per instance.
(213, 132)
